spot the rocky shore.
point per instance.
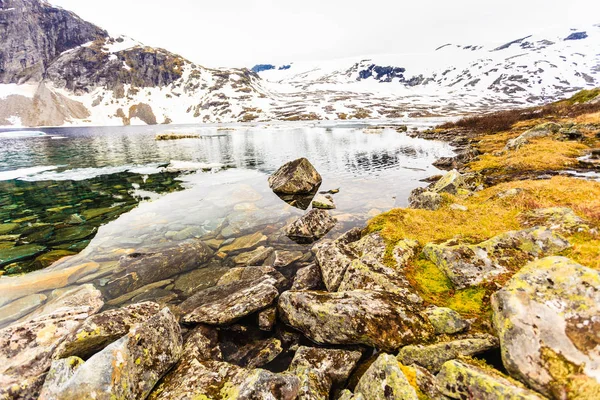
(487, 287)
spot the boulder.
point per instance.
(469, 265)
(130, 367)
(100, 330)
(336, 365)
(461, 379)
(385, 380)
(139, 270)
(446, 320)
(547, 320)
(283, 258)
(308, 278)
(542, 130)
(450, 183)
(250, 352)
(295, 177)
(314, 385)
(404, 251)
(383, 320)
(433, 356)
(310, 227)
(425, 199)
(224, 304)
(26, 348)
(224, 381)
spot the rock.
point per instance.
(426, 382)
(72, 234)
(450, 183)
(18, 253)
(469, 265)
(310, 227)
(282, 258)
(404, 251)
(224, 304)
(250, 351)
(308, 278)
(60, 373)
(267, 319)
(253, 273)
(199, 279)
(254, 257)
(202, 344)
(323, 202)
(19, 308)
(458, 207)
(87, 297)
(26, 348)
(314, 385)
(142, 269)
(385, 380)
(377, 276)
(333, 259)
(386, 321)
(130, 367)
(460, 379)
(220, 381)
(139, 292)
(547, 320)
(335, 364)
(100, 330)
(47, 259)
(425, 199)
(446, 320)
(244, 242)
(347, 395)
(508, 193)
(295, 177)
(561, 219)
(594, 155)
(433, 356)
(542, 130)
(370, 248)
(8, 228)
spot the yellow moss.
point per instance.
(585, 250)
(539, 155)
(468, 301)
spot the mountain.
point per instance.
(56, 69)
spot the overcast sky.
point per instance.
(247, 32)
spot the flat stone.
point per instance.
(323, 202)
(470, 265)
(295, 177)
(224, 304)
(244, 242)
(546, 317)
(251, 274)
(310, 227)
(199, 279)
(72, 234)
(130, 367)
(460, 379)
(100, 330)
(283, 258)
(433, 356)
(18, 253)
(382, 320)
(250, 352)
(19, 308)
(8, 228)
(254, 257)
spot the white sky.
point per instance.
(247, 32)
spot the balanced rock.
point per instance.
(310, 227)
(433, 356)
(547, 319)
(382, 320)
(130, 367)
(385, 380)
(469, 265)
(461, 379)
(295, 177)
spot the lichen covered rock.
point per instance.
(446, 320)
(433, 356)
(385, 380)
(547, 320)
(561, 219)
(469, 265)
(311, 226)
(424, 199)
(383, 320)
(542, 130)
(460, 379)
(308, 278)
(333, 259)
(335, 364)
(295, 177)
(449, 183)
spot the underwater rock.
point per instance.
(244, 242)
(324, 202)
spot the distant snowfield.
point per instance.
(448, 81)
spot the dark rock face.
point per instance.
(577, 36)
(381, 73)
(33, 34)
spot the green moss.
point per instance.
(468, 301)
(583, 96)
(430, 279)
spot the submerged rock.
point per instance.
(295, 177)
(252, 273)
(324, 202)
(19, 308)
(130, 367)
(469, 265)
(547, 321)
(102, 329)
(460, 379)
(244, 242)
(433, 356)
(311, 226)
(254, 257)
(18, 253)
(385, 380)
(26, 348)
(382, 320)
(224, 304)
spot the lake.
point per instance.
(98, 195)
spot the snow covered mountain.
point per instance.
(56, 69)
